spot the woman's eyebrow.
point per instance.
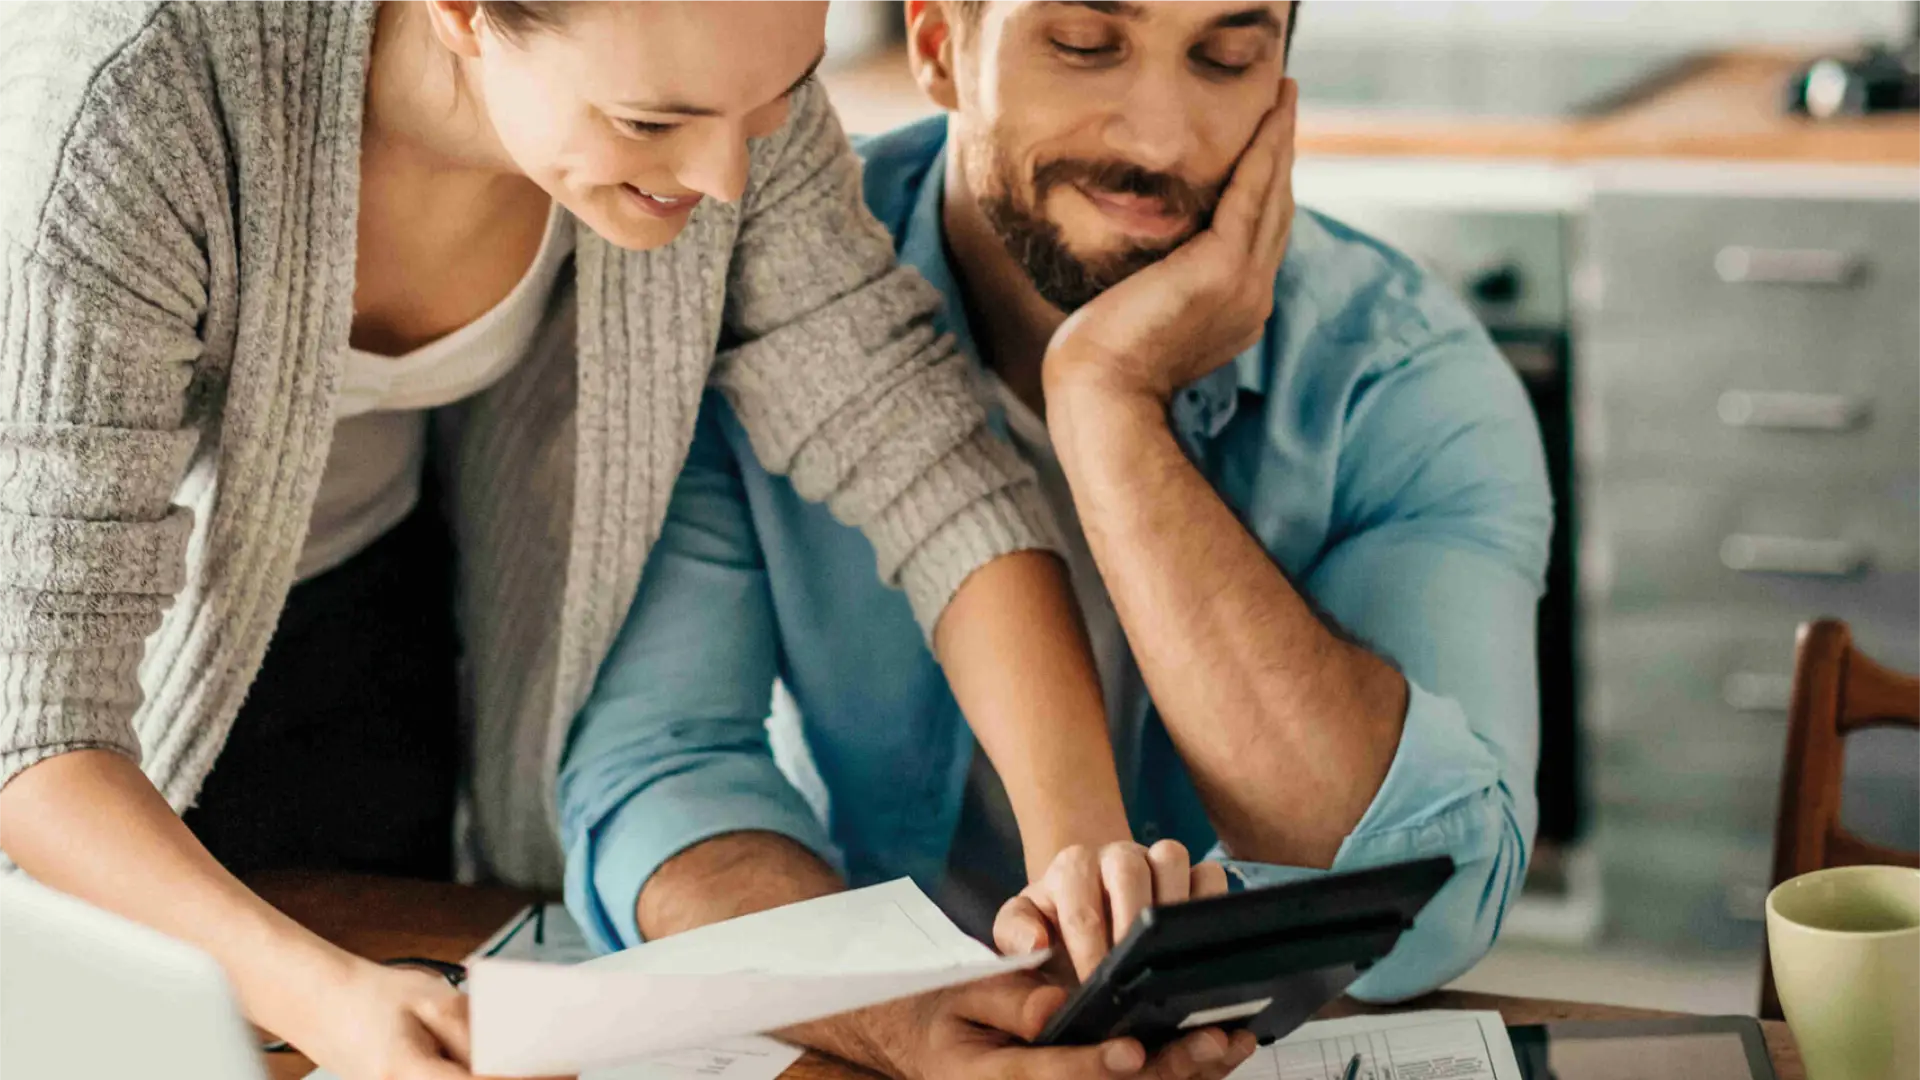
(681, 108)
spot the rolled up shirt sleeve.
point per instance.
(1443, 795)
(671, 749)
(1443, 579)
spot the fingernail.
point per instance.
(1207, 1048)
(1123, 1058)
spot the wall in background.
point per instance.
(855, 27)
(1704, 23)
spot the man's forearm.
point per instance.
(1014, 652)
(1251, 685)
(741, 873)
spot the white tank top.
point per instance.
(372, 478)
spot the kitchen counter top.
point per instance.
(1727, 109)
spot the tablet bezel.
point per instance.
(1752, 1037)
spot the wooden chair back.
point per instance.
(1837, 690)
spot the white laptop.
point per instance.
(84, 993)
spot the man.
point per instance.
(1309, 509)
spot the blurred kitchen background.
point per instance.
(1695, 230)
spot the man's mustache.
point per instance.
(1126, 178)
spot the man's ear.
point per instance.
(456, 23)
(930, 51)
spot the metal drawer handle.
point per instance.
(1740, 265)
(1751, 554)
(1769, 411)
(1757, 691)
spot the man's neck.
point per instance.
(1011, 322)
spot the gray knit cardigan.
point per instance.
(178, 192)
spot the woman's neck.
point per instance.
(422, 111)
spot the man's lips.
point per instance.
(1141, 215)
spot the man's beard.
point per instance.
(1063, 279)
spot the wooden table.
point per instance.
(381, 918)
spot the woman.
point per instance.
(256, 260)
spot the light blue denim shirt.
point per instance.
(1374, 441)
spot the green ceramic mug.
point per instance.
(1846, 961)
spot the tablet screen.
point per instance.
(1559, 1054)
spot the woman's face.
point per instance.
(629, 114)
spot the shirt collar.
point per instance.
(924, 248)
(1200, 410)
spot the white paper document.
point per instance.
(1431, 1045)
(750, 1057)
(547, 934)
(699, 989)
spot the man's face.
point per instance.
(1097, 137)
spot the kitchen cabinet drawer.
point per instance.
(1849, 551)
(1880, 787)
(1644, 673)
(1686, 715)
(1687, 721)
(1728, 411)
(1670, 883)
(1686, 712)
(1814, 275)
(1703, 768)
(1641, 672)
(1694, 882)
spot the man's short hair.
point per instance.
(969, 12)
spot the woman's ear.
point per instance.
(930, 50)
(456, 24)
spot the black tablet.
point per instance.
(1265, 959)
(1696, 1047)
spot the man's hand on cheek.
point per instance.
(1176, 320)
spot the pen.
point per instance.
(1353, 1069)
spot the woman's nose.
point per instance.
(718, 169)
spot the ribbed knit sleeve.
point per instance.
(103, 283)
(837, 373)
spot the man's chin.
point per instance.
(1120, 251)
(1111, 266)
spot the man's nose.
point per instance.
(1153, 127)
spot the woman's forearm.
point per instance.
(1021, 668)
(90, 824)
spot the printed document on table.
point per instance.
(1430, 1045)
(547, 934)
(758, 973)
